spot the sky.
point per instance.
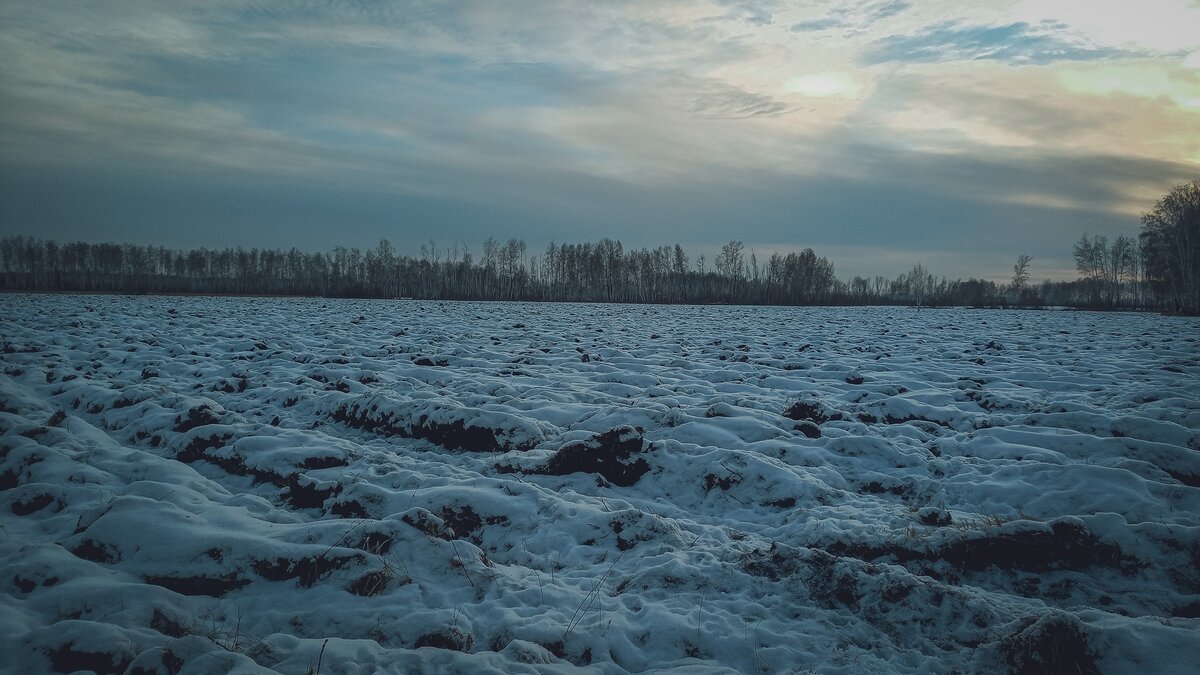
(881, 133)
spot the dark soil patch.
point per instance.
(90, 549)
(1188, 611)
(808, 429)
(67, 659)
(196, 417)
(32, 505)
(428, 523)
(213, 587)
(1054, 643)
(464, 523)
(197, 447)
(307, 496)
(447, 638)
(807, 411)
(836, 589)
(228, 386)
(306, 571)
(371, 583)
(197, 450)
(34, 432)
(171, 662)
(830, 586)
(375, 542)
(27, 585)
(1066, 546)
(775, 563)
(350, 508)
(613, 454)
(298, 494)
(167, 626)
(870, 552)
(879, 488)
(892, 419)
(934, 517)
(461, 521)
(455, 435)
(326, 462)
(712, 481)
(618, 526)
(1188, 479)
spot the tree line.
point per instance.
(1160, 269)
(603, 271)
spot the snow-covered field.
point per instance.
(300, 485)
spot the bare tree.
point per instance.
(491, 254)
(1020, 277)
(1120, 260)
(731, 260)
(1171, 245)
(1021, 271)
(917, 281)
(1091, 261)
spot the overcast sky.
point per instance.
(881, 133)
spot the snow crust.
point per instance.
(210, 485)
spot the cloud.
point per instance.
(753, 12)
(1158, 26)
(722, 101)
(313, 124)
(835, 20)
(920, 206)
(853, 18)
(1143, 80)
(1017, 43)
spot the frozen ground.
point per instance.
(209, 485)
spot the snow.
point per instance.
(212, 485)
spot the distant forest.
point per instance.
(1159, 270)
(590, 272)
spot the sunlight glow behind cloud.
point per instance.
(824, 84)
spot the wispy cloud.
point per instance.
(753, 12)
(721, 101)
(853, 18)
(1017, 43)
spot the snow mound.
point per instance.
(445, 423)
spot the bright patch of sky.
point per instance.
(961, 134)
